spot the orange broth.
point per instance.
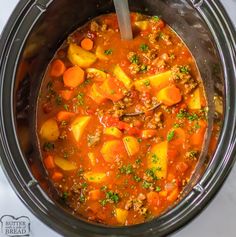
(106, 166)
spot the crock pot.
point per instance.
(34, 32)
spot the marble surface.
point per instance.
(217, 220)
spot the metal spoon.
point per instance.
(141, 112)
(122, 11)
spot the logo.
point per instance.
(14, 227)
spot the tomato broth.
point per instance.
(109, 165)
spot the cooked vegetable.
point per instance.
(66, 94)
(80, 57)
(155, 82)
(121, 215)
(92, 158)
(49, 130)
(195, 100)
(73, 76)
(157, 159)
(64, 116)
(78, 126)
(98, 74)
(111, 149)
(131, 145)
(95, 177)
(96, 94)
(57, 176)
(64, 164)
(95, 194)
(142, 25)
(100, 53)
(57, 68)
(169, 95)
(87, 44)
(112, 89)
(49, 162)
(113, 131)
(121, 76)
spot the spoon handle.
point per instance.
(123, 15)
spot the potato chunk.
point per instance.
(49, 130)
(111, 149)
(95, 177)
(157, 159)
(121, 215)
(78, 126)
(121, 76)
(113, 131)
(80, 57)
(195, 100)
(131, 145)
(64, 164)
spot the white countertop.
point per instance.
(217, 220)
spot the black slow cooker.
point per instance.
(34, 32)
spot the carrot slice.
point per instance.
(170, 95)
(57, 68)
(49, 162)
(64, 115)
(57, 176)
(95, 194)
(173, 195)
(153, 199)
(198, 137)
(73, 76)
(66, 94)
(87, 44)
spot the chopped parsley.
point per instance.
(58, 100)
(146, 184)
(64, 196)
(66, 107)
(138, 161)
(146, 83)
(137, 178)
(143, 68)
(104, 188)
(127, 169)
(134, 59)
(48, 146)
(108, 51)
(154, 158)
(80, 98)
(184, 69)
(139, 140)
(158, 189)
(170, 135)
(111, 197)
(156, 18)
(151, 173)
(144, 47)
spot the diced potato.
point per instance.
(64, 164)
(121, 215)
(157, 159)
(95, 94)
(100, 53)
(113, 131)
(156, 82)
(111, 149)
(142, 25)
(121, 76)
(131, 145)
(49, 130)
(195, 100)
(95, 177)
(98, 74)
(80, 57)
(78, 126)
(92, 158)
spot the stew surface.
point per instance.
(108, 164)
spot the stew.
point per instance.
(108, 166)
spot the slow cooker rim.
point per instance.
(24, 191)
